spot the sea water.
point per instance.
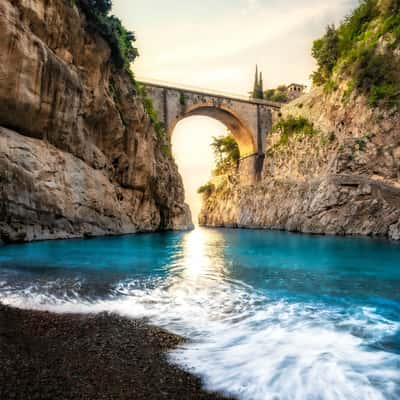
(268, 315)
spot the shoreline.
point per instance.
(210, 227)
(4, 242)
(89, 356)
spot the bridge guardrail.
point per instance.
(204, 91)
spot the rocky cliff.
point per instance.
(333, 161)
(343, 178)
(79, 155)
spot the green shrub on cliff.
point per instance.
(278, 95)
(123, 53)
(227, 154)
(208, 189)
(361, 51)
(110, 27)
(150, 110)
(291, 126)
(378, 76)
(227, 157)
(326, 52)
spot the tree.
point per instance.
(255, 86)
(278, 95)
(326, 53)
(258, 87)
(227, 154)
(110, 27)
(103, 7)
(261, 87)
(269, 94)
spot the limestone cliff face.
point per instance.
(343, 180)
(78, 153)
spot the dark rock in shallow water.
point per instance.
(49, 356)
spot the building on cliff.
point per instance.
(295, 90)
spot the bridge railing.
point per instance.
(205, 91)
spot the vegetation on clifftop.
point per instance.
(110, 27)
(362, 51)
(123, 53)
(278, 95)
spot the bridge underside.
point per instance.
(249, 121)
(241, 134)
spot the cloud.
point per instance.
(220, 41)
(234, 34)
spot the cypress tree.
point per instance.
(260, 87)
(255, 87)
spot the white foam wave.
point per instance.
(250, 346)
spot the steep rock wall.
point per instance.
(78, 153)
(345, 180)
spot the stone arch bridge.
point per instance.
(249, 120)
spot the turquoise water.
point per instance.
(270, 315)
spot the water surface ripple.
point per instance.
(270, 315)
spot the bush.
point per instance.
(291, 126)
(102, 7)
(384, 93)
(111, 29)
(376, 75)
(295, 125)
(208, 189)
(227, 154)
(268, 94)
(326, 53)
(357, 24)
(354, 52)
(151, 112)
(278, 95)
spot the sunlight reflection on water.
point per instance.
(270, 315)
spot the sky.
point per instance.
(215, 45)
(191, 148)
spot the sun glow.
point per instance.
(195, 258)
(201, 265)
(191, 142)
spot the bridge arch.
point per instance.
(241, 133)
(249, 120)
